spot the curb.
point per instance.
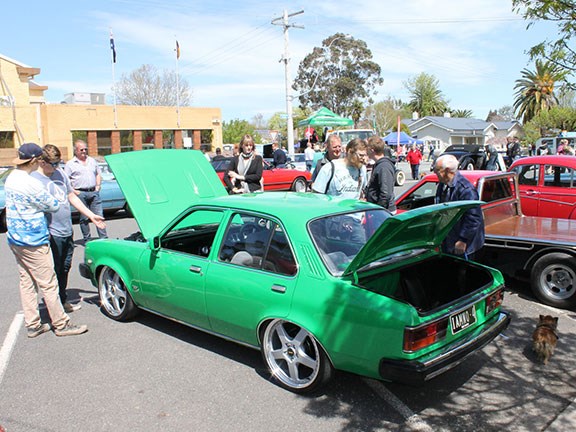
(565, 421)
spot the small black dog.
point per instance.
(545, 337)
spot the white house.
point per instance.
(445, 131)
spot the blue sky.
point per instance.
(230, 51)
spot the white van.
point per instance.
(549, 145)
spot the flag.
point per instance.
(177, 50)
(112, 47)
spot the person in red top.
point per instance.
(414, 157)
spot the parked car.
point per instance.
(297, 161)
(547, 185)
(313, 282)
(275, 179)
(470, 156)
(112, 198)
(541, 250)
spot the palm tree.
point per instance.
(535, 91)
(461, 113)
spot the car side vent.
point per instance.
(311, 263)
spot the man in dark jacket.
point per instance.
(467, 236)
(380, 189)
(279, 156)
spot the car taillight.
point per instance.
(421, 337)
(494, 301)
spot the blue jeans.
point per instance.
(62, 251)
(415, 169)
(93, 202)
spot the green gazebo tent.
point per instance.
(325, 117)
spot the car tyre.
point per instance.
(468, 164)
(299, 185)
(553, 280)
(115, 299)
(400, 178)
(295, 359)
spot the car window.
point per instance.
(194, 234)
(527, 174)
(496, 189)
(339, 238)
(420, 197)
(257, 242)
(559, 176)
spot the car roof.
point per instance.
(547, 159)
(286, 205)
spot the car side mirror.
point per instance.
(155, 243)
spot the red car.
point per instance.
(547, 185)
(275, 179)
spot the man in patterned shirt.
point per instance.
(28, 238)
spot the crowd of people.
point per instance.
(39, 193)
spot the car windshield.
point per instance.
(339, 238)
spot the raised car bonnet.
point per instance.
(160, 184)
(420, 229)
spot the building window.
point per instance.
(126, 141)
(104, 140)
(6, 139)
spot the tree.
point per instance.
(337, 75)
(234, 130)
(505, 113)
(145, 86)
(563, 12)
(550, 122)
(426, 98)
(535, 90)
(384, 114)
(461, 113)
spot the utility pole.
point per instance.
(283, 21)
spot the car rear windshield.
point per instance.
(339, 238)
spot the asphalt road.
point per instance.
(153, 374)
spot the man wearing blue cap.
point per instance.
(26, 202)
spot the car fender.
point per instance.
(545, 251)
(118, 262)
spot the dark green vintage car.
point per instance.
(315, 283)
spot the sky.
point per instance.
(230, 52)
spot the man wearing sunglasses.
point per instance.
(84, 174)
(58, 185)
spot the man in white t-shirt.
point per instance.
(309, 154)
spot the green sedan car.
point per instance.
(315, 283)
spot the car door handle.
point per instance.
(279, 288)
(532, 192)
(195, 269)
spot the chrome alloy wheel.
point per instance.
(113, 294)
(558, 281)
(292, 355)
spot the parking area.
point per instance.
(155, 374)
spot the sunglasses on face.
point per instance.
(52, 164)
(83, 150)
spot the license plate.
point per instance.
(463, 319)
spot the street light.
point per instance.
(290, 98)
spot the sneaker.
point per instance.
(37, 331)
(70, 330)
(68, 308)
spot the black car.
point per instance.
(470, 156)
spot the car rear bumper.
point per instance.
(416, 372)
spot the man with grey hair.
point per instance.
(466, 238)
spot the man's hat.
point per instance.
(27, 152)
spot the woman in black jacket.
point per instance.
(245, 171)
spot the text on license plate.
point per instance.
(463, 319)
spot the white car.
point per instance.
(297, 161)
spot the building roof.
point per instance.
(453, 124)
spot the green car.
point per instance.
(315, 283)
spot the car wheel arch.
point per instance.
(546, 251)
(300, 179)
